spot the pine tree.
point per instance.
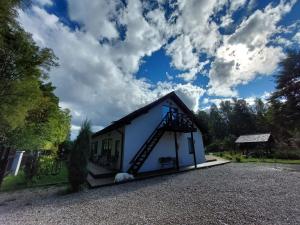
(78, 157)
(286, 99)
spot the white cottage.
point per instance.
(161, 135)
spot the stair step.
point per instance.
(96, 182)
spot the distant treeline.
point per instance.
(280, 114)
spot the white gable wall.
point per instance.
(137, 132)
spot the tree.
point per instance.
(285, 100)
(217, 125)
(203, 120)
(30, 116)
(78, 157)
(262, 123)
(22, 66)
(242, 119)
(46, 126)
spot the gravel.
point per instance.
(228, 194)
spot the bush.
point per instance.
(49, 165)
(31, 166)
(238, 159)
(78, 158)
(287, 154)
(213, 147)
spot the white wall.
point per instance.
(137, 132)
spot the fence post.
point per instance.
(4, 153)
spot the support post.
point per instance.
(176, 150)
(194, 152)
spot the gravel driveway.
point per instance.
(228, 194)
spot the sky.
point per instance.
(118, 55)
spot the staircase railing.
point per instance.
(171, 119)
(162, 122)
(179, 120)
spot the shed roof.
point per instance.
(127, 119)
(253, 138)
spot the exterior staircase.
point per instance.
(145, 151)
(99, 176)
(171, 122)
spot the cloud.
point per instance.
(296, 37)
(195, 34)
(99, 58)
(96, 80)
(43, 2)
(246, 53)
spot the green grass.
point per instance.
(237, 157)
(19, 182)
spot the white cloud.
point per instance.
(44, 2)
(246, 53)
(169, 77)
(95, 80)
(296, 37)
(98, 62)
(195, 33)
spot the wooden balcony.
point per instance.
(178, 122)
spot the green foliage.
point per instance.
(217, 125)
(287, 154)
(31, 167)
(203, 120)
(214, 147)
(49, 165)
(78, 157)
(238, 159)
(285, 100)
(30, 116)
(18, 182)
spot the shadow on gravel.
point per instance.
(37, 197)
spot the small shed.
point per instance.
(261, 142)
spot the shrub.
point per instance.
(78, 158)
(238, 159)
(213, 147)
(287, 154)
(49, 165)
(31, 166)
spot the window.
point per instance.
(94, 148)
(191, 146)
(117, 149)
(106, 146)
(166, 109)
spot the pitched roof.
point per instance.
(127, 119)
(253, 138)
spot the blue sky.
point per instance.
(116, 56)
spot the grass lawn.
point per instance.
(19, 182)
(240, 158)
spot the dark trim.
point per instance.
(194, 151)
(176, 150)
(122, 149)
(127, 119)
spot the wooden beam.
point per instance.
(194, 152)
(176, 150)
(122, 150)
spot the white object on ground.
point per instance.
(121, 177)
